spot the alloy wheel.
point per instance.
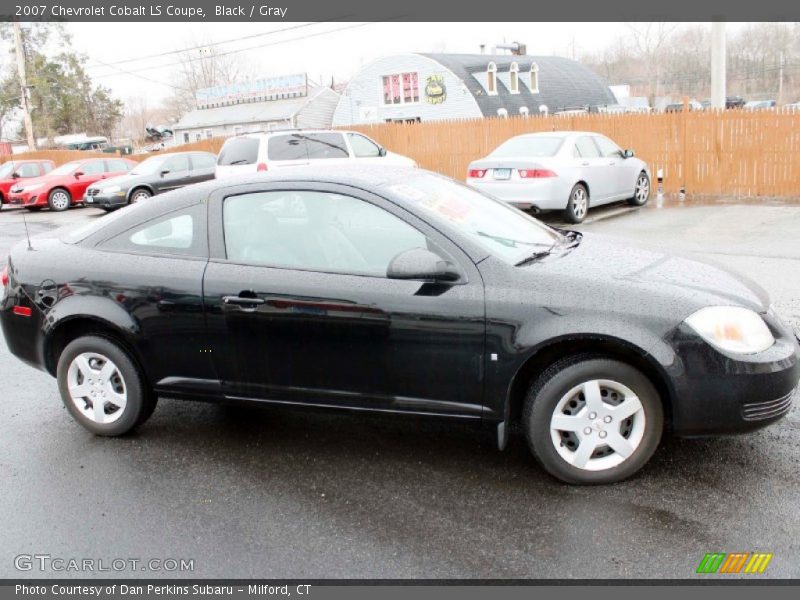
(642, 189)
(597, 425)
(580, 203)
(97, 388)
(59, 200)
(139, 196)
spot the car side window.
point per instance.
(179, 233)
(28, 170)
(587, 148)
(363, 147)
(176, 164)
(116, 165)
(287, 147)
(46, 167)
(315, 231)
(608, 149)
(326, 145)
(93, 167)
(203, 161)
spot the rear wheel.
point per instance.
(592, 420)
(102, 387)
(578, 204)
(59, 199)
(642, 191)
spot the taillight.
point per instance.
(4, 277)
(536, 173)
(23, 311)
(477, 173)
(261, 167)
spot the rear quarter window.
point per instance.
(239, 151)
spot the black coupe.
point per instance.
(400, 291)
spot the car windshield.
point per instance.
(500, 229)
(65, 169)
(6, 169)
(149, 165)
(537, 146)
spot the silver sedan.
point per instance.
(561, 170)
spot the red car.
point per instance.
(64, 186)
(12, 171)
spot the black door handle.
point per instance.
(242, 301)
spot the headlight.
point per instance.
(732, 329)
(30, 188)
(112, 189)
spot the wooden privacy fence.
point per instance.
(731, 152)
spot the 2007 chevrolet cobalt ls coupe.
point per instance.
(397, 290)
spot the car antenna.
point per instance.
(27, 233)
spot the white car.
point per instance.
(561, 170)
(293, 148)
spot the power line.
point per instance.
(218, 43)
(230, 52)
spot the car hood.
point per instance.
(121, 180)
(613, 274)
(30, 181)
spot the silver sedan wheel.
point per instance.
(59, 200)
(580, 202)
(642, 189)
(96, 387)
(597, 425)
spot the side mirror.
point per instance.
(15, 175)
(627, 153)
(165, 172)
(78, 174)
(382, 152)
(421, 264)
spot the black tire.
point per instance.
(141, 401)
(55, 199)
(640, 199)
(548, 391)
(138, 195)
(578, 204)
(34, 208)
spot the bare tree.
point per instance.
(203, 65)
(649, 40)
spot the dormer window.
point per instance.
(513, 78)
(491, 79)
(534, 79)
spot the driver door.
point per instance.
(300, 310)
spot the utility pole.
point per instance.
(718, 84)
(23, 85)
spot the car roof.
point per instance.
(263, 134)
(364, 176)
(559, 134)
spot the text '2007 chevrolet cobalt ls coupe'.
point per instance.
(401, 291)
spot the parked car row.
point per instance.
(111, 183)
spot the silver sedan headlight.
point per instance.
(732, 329)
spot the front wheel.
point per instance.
(578, 204)
(102, 387)
(139, 195)
(592, 420)
(59, 200)
(641, 193)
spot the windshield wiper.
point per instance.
(532, 258)
(511, 243)
(241, 161)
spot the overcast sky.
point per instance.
(338, 53)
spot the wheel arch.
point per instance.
(594, 344)
(106, 321)
(586, 187)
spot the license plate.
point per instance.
(502, 173)
(88, 199)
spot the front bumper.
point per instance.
(716, 393)
(26, 198)
(106, 200)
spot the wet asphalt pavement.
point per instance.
(250, 492)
